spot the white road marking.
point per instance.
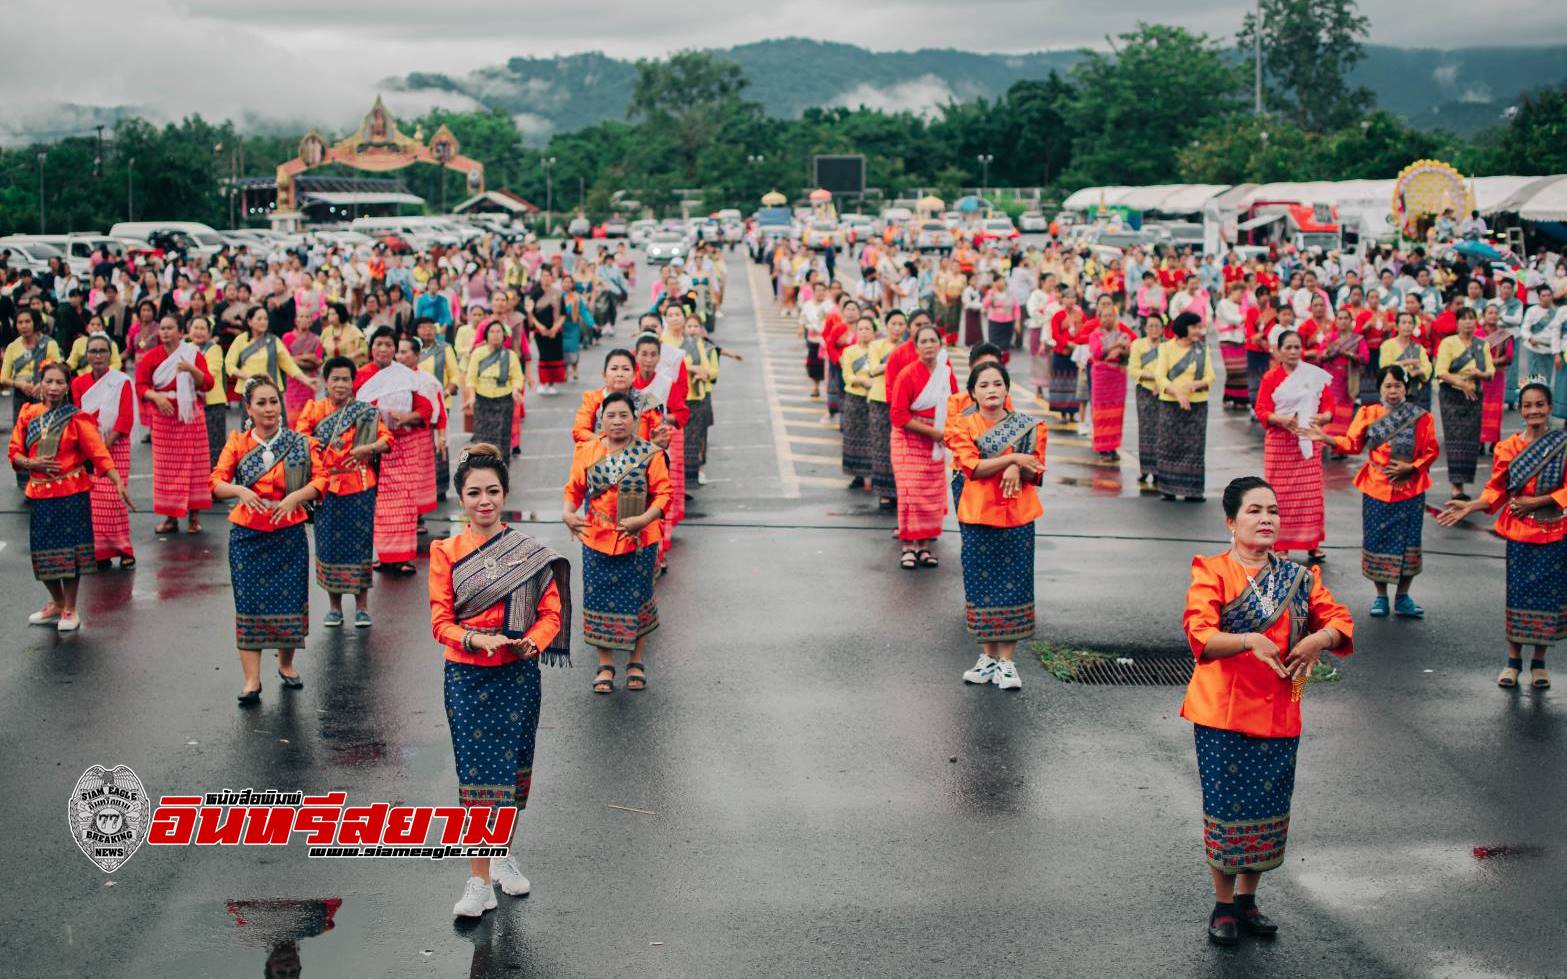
(789, 480)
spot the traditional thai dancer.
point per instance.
(500, 601)
(918, 409)
(1002, 457)
(272, 472)
(170, 379)
(1401, 439)
(1183, 376)
(621, 484)
(1293, 398)
(106, 396)
(1527, 486)
(1257, 624)
(350, 436)
(53, 442)
(1141, 360)
(1463, 367)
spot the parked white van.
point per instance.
(208, 241)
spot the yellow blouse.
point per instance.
(1169, 354)
(485, 381)
(1452, 347)
(1143, 377)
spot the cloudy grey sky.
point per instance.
(321, 61)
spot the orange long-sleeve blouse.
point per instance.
(272, 485)
(601, 533)
(583, 428)
(449, 630)
(1371, 480)
(345, 475)
(1528, 529)
(982, 501)
(80, 444)
(1241, 692)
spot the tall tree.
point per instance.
(1132, 110)
(1308, 49)
(693, 94)
(1535, 140)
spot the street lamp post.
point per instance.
(547, 163)
(756, 160)
(985, 160)
(42, 229)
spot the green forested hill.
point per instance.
(1460, 90)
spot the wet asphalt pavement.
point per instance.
(820, 794)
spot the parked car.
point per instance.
(665, 246)
(933, 236)
(30, 253)
(639, 231)
(579, 227)
(1032, 222)
(613, 228)
(995, 229)
(857, 227)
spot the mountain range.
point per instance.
(1461, 90)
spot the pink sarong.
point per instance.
(111, 521)
(922, 486)
(180, 471)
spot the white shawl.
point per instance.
(393, 388)
(103, 399)
(184, 384)
(1300, 394)
(934, 395)
(670, 357)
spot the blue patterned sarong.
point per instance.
(1536, 593)
(271, 571)
(1390, 546)
(493, 715)
(998, 581)
(345, 542)
(60, 537)
(617, 597)
(1247, 783)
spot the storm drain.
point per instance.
(1123, 672)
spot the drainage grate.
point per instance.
(1123, 672)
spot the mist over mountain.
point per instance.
(1461, 90)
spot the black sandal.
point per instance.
(637, 680)
(927, 559)
(607, 684)
(167, 527)
(1316, 557)
(908, 561)
(406, 569)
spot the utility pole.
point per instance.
(549, 192)
(1256, 57)
(130, 174)
(42, 228)
(985, 160)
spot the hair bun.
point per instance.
(482, 449)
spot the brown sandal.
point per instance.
(603, 683)
(637, 680)
(1538, 678)
(1508, 678)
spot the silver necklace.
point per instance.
(268, 457)
(1266, 601)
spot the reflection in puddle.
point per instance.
(280, 925)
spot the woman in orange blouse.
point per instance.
(624, 482)
(1257, 624)
(1401, 439)
(273, 472)
(620, 372)
(499, 602)
(351, 437)
(1001, 454)
(1528, 487)
(53, 442)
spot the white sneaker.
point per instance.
(68, 622)
(508, 876)
(984, 670)
(1006, 676)
(477, 898)
(48, 615)
(701, 478)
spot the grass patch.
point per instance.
(1062, 661)
(1324, 673)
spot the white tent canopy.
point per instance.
(1548, 203)
(1088, 197)
(1146, 198)
(351, 198)
(1190, 198)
